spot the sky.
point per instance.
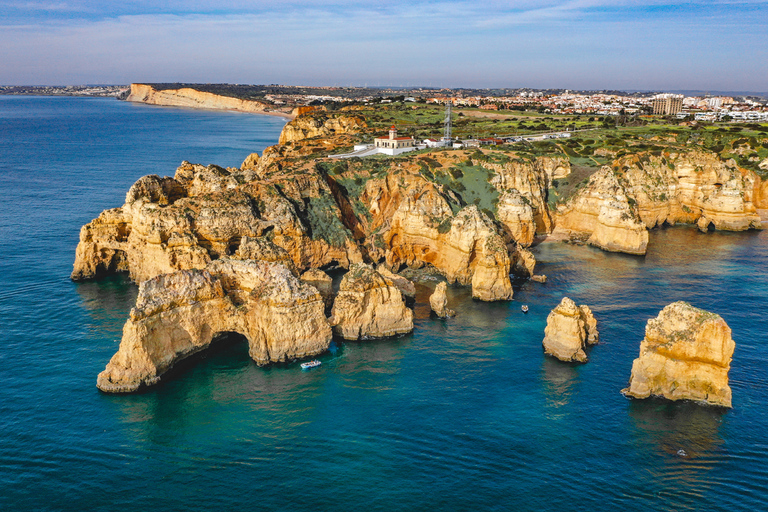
(659, 45)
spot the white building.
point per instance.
(394, 145)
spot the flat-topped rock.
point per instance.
(570, 328)
(685, 355)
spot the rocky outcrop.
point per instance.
(191, 98)
(369, 305)
(438, 301)
(417, 227)
(570, 328)
(647, 189)
(406, 287)
(318, 125)
(602, 213)
(522, 184)
(205, 213)
(180, 314)
(694, 187)
(686, 355)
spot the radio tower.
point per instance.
(447, 136)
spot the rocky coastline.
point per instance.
(244, 250)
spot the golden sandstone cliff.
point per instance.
(686, 354)
(187, 97)
(641, 191)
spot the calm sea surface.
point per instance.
(465, 414)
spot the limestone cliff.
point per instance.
(418, 227)
(646, 189)
(686, 355)
(319, 125)
(180, 314)
(570, 328)
(204, 213)
(694, 187)
(369, 305)
(602, 212)
(191, 98)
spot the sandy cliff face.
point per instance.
(203, 213)
(179, 314)
(418, 227)
(522, 184)
(192, 98)
(313, 125)
(570, 328)
(602, 212)
(369, 305)
(692, 187)
(686, 354)
(645, 190)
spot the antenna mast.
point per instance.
(447, 136)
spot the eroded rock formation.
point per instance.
(179, 314)
(602, 212)
(644, 190)
(319, 125)
(438, 301)
(686, 355)
(570, 328)
(420, 228)
(369, 305)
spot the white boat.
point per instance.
(524, 308)
(310, 364)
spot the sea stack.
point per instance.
(570, 328)
(686, 355)
(439, 301)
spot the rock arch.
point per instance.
(178, 315)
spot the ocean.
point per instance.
(463, 414)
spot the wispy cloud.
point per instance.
(575, 44)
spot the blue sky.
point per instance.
(579, 44)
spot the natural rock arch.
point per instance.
(178, 315)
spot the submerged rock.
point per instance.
(570, 328)
(369, 305)
(686, 354)
(179, 314)
(438, 301)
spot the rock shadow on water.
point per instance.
(680, 428)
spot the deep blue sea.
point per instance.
(464, 414)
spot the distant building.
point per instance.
(667, 104)
(394, 145)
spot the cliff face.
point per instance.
(686, 355)
(692, 187)
(369, 305)
(645, 190)
(192, 98)
(203, 213)
(417, 226)
(310, 126)
(522, 208)
(179, 314)
(602, 211)
(570, 328)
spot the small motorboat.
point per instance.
(310, 364)
(524, 308)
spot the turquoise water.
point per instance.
(465, 414)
